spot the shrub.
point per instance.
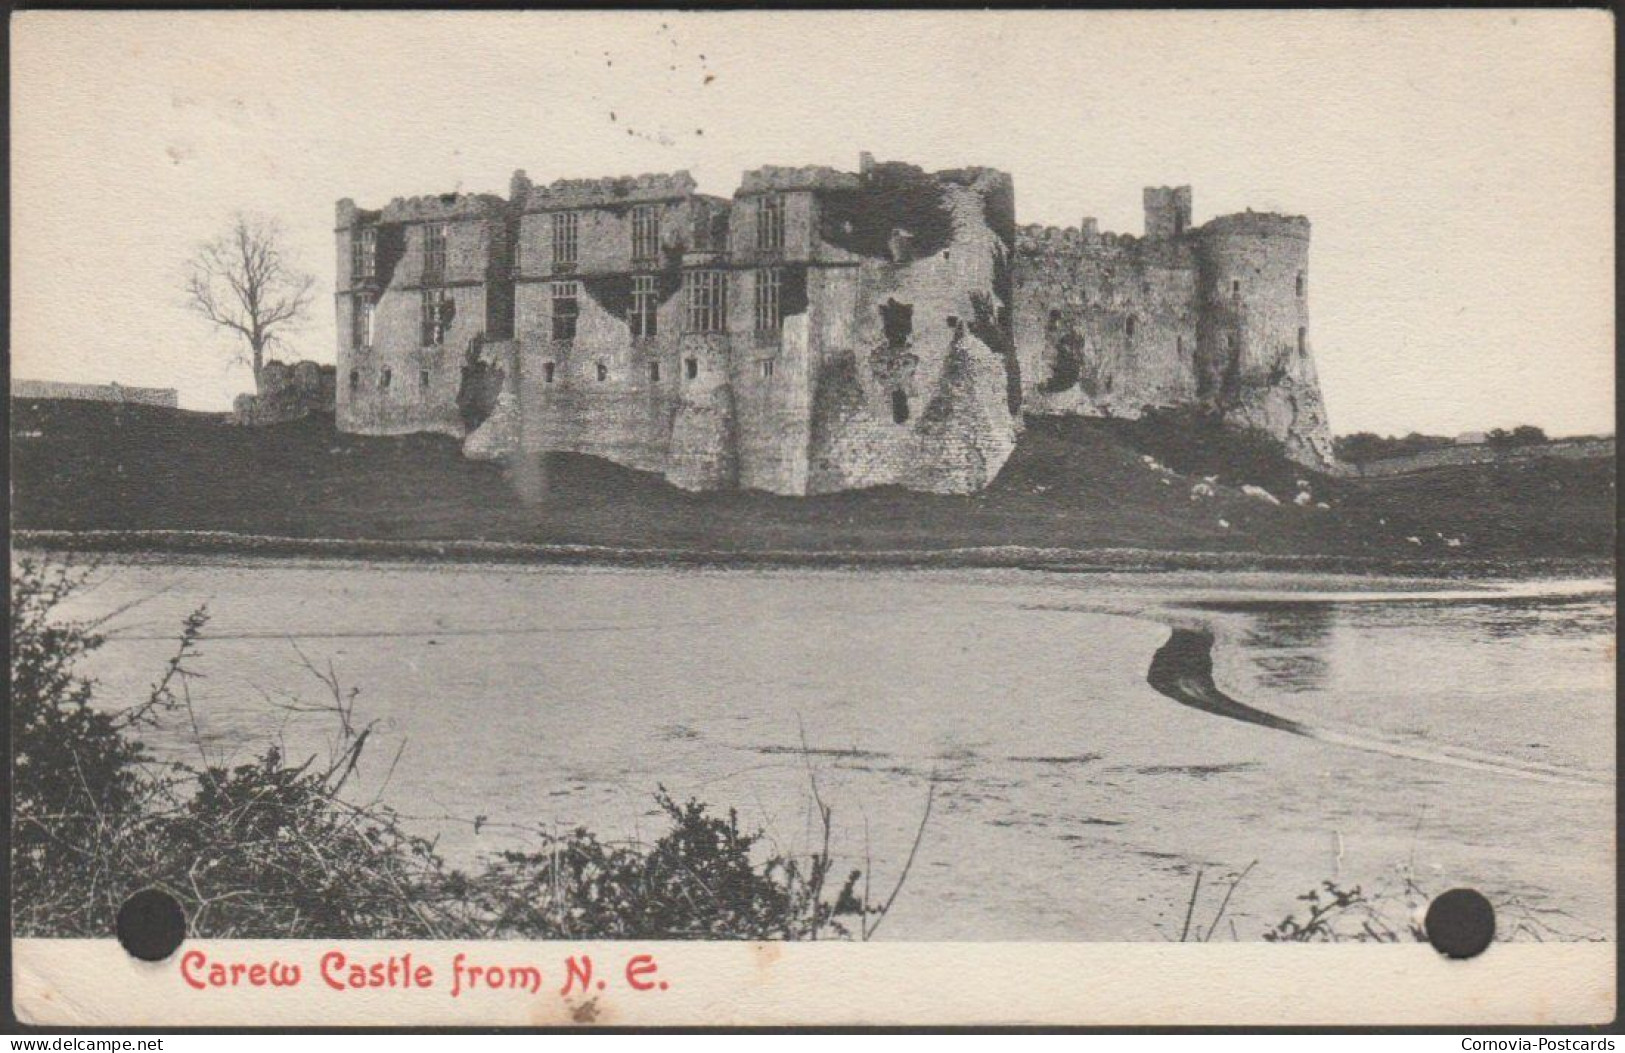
(75, 778)
(275, 849)
(698, 881)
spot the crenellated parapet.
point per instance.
(620, 190)
(1257, 224)
(442, 207)
(1074, 244)
(805, 177)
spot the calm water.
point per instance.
(1473, 731)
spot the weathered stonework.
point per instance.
(287, 391)
(820, 330)
(1216, 315)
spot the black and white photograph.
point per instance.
(538, 515)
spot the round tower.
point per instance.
(1254, 273)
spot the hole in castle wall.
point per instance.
(897, 320)
(899, 406)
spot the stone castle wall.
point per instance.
(394, 378)
(1216, 315)
(888, 358)
(914, 324)
(56, 389)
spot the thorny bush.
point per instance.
(273, 848)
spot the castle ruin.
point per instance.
(818, 331)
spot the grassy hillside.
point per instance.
(1071, 483)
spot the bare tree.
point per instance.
(240, 282)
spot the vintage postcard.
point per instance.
(854, 518)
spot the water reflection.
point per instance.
(1288, 644)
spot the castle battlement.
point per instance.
(1262, 224)
(613, 190)
(804, 177)
(817, 330)
(441, 207)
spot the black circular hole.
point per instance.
(1460, 923)
(151, 924)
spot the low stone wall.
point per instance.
(53, 389)
(1484, 453)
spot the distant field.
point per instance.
(1072, 483)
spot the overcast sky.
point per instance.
(1457, 166)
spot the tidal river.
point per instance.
(1331, 729)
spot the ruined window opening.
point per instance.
(566, 310)
(1303, 340)
(645, 302)
(384, 378)
(769, 300)
(361, 323)
(603, 371)
(364, 253)
(355, 380)
(434, 251)
(1235, 287)
(899, 406)
(707, 301)
(691, 366)
(1300, 285)
(897, 323)
(770, 222)
(566, 242)
(767, 368)
(646, 233)
(423, 380)
(1179, 345)
(547, 372)
(654, 372)
(438, 310)
(1230, 342)
(1129, 327)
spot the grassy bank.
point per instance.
(1073, 486)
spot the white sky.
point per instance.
(1457, 166)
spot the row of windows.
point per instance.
(566, 231)
(438, 309)
(691, 370)
(386, 378)
(1235, 286)
(646, 232)
(705, 299)
(364, 252)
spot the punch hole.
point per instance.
(1460, 923)
(151, 924)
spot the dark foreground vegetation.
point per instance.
(277, 848)
(1172, 482)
